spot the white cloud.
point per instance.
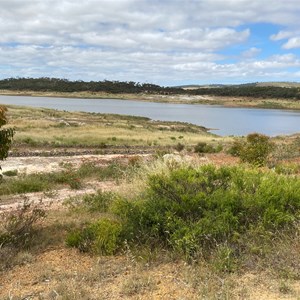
(142, 40)
(250, 53)
(292, 43)
(281, 35)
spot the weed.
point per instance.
(17, 226)
(287, 169)
(224, 260)
(17, 234)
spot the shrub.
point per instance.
(179, 147)
(205, 211)
(16, 227)
(101, 237)
(203, 147)
(11, 173)
(191, 210)
(255, 150)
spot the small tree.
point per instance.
(6, 134)
(254, 150)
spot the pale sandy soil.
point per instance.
(39, 164)
(52, 199)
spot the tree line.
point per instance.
(251, 91)
(46, 84)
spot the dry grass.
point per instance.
(88, 129)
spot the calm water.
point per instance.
(226, 121)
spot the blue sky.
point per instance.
(167, 42)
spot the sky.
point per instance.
(165, 42)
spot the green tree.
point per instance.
(6, 134)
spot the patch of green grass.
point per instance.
(69, 176)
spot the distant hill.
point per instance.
(196, 86)
(285, 84)
(279, 84)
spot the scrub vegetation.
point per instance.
(195, 217)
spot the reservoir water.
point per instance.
(224, 120)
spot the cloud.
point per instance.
(141, 40)
(281, 35)
(292, 43)
(250, 53)
(293, 39)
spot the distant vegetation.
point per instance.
(46, 84)
(250, 91)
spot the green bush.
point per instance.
(204, 211)
(11, 173)
(101, 237)
(190, 210)
(255, 150)
(203, 147)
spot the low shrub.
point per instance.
(203, 211)
(179, 147)
(10, 173)
(101, 237)
(255, 150)
(203, 147)
(16, 227)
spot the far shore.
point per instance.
(270, 103)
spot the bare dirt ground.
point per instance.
(37, 164)
(52, 199)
